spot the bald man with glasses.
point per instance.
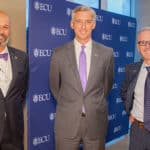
(135, 92)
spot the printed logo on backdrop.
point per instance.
(123, 38)
(131, 24)
(42, 52)
(44, 97)
(52, 116)
(115, 86)
(124, 113)
(129, 54)
(118, 100)
(43, 7)
(112, 117)
(116, 21)
(121, 69)
(99, 18)
(117, 129)
(68, 11)
(58, 31)
(116, 54)
(107, 37)
(41, 140)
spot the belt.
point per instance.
(139, 123)
(83, 114)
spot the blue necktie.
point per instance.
(82, 68)
(4, 56)
(147, 101)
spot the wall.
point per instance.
(104, 4)
(16, 11)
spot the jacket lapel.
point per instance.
(93, 64)
(72, 59)
(1, 94)
(136, 70)
(135, 73)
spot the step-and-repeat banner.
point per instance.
(49, 27)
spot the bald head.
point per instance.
(4, 29)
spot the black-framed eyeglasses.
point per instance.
(144, 43)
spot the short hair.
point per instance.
(83, 8)
(146, 28)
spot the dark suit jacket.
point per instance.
(129, 83)
(12, 104)
(67, 89)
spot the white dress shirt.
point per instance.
(138, 105)
(5, 73)
(88, 50)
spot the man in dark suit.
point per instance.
(13, 85)
(134, 94)
(81, 75)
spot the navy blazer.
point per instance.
(11, 106)
(129, 83)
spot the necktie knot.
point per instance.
(82, 48)
(4, 56)
(148, 69)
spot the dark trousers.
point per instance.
(139, 138)
(7, 142)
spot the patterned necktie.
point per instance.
(4, 56)
(82, 68)
(147, 101)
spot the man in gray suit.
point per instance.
(81, 75)
(13, 85)
(134, 95)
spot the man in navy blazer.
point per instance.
(13, 85)
(132, 92)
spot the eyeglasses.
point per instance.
(144, 43)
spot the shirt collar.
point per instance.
(144, 65)
(87, 45)
(4, 51)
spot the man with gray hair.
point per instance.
(81, 75)
(135, 92)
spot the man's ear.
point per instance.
(71, 24)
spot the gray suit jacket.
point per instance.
(66, 87)
(128, 85)
(12, 104)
